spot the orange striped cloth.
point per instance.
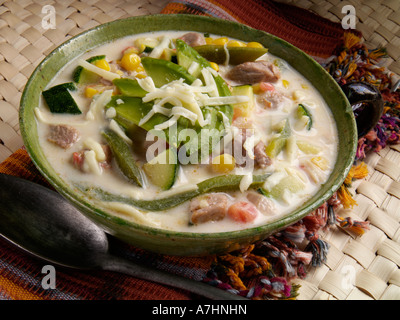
(21, 275)
(311, 33)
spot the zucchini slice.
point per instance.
(302, 111)
(81, 75)
(277, 143)
(245, 108)
(162, 170)
(147, 44)
(60, 100)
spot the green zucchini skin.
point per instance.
(83, 76)
(60, 100)
(162, 174)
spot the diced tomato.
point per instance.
(242, 211)
(266, 86)
(130, 49)
(237, 113)
(77, 159)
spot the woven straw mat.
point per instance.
(365, 267)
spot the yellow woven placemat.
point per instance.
(24, 43)
(365, 267)
(378, 20)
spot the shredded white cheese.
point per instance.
(49, 118)
(143, 194)
(212, 71)
(183, 112)
(248, 145)
(291, 148)
(225, 120)
(132, 212)
(179, 94)
(246, 181)
(227, 54)
(117, 129)
(92, 144)
(194, 66)
(210, 82)
(108, 75)
(190, 97)
(147, 84)
(217, 101)
(147, 117)
(167, 124)
(97, 105)
(158, 50)
(90, 164)
(111, 113)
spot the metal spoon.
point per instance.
(43, 223)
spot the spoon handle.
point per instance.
(113, 263)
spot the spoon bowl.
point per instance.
(44, 224)
(36, 219)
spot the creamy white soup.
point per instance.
(187, 132)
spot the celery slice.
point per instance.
(279, 142)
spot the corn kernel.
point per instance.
(130, 61)
(221, 41)
(214, 66)
(167, 54)
(255, 45)
(304, 86)
(223, 163)
(256, 88)
(140, 76)
(285, 83)
(132, 50)
(141, 48)
(320, 162)
(209, 40)
(90, 92)
(139, 69)
(298, 95)
(103, 64)
(236, 43)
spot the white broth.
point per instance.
(289, 121)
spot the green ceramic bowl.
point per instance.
(184, 243)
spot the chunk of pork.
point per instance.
(210, 207)
(260, 156)
(63, 135)
(262, 203)
(254, 72)
(193, 39)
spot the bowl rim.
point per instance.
(263, 229)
